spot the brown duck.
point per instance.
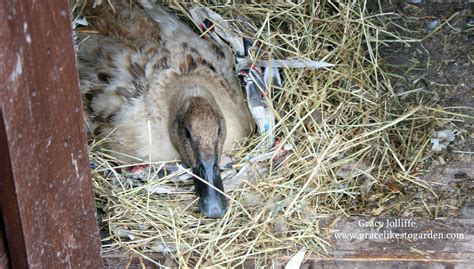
(160, 93)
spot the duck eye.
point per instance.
(187, 133)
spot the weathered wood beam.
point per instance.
(3, 250)
(46, 194)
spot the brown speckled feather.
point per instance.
(141, 57)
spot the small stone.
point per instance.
(441, 139)
(433, 24)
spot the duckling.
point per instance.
(159, 92)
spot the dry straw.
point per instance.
(355, 145)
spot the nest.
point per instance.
(356, 147)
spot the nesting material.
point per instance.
(344, 137)
(76, 23)
(296, 261)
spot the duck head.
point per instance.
(198, 133)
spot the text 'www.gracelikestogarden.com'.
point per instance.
(389, 230)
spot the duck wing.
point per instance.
(118, 61)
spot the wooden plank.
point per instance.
(368, 253)
(3, 249)
(46, 193)
(8, 207)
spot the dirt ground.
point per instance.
(439, 70)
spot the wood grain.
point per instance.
(3, 249)
(45, 190)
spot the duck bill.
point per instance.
(212, 203)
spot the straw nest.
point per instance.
(356, 147)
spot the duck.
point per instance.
(159, 92)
